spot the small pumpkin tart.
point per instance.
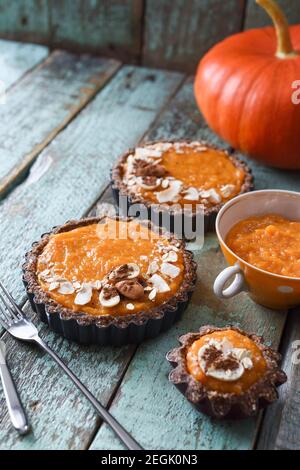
(180, 177)
(226, 372)
(109, 280)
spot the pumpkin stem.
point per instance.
(284, 43)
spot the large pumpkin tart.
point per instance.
(111, 274)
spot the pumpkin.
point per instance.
(248, 89)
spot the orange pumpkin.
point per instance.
(248, 89)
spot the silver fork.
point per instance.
(14, 320)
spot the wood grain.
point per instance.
(25, 20)
(280, 428)
(256, 17)
(153, 410)
(16, 59)
(110, 27)
(42, 104)
(178, 32)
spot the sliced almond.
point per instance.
(124, 271)
(84, 295)
(226, 375)
(134, 270)
(191, 194)
(171, 256)
(130, 307)
(66, 288)
(152, 294)
(227, 190)
(170, 270)
(171, 193)
(247, 362)
(161, 146)
(211, 195)
(45, 273)
(110, 302)
(159, 283)
(153, 267)
(142, 152)
(53, 285)
(97, 285)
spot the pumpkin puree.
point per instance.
(88, 253)
(269, 242)
(238, 340)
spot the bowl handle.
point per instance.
(238, 284)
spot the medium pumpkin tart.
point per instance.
(226, 372)
(125, 279)
(183, 176)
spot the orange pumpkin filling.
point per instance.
(182, 173)
(269, 242)
(89, 261)
(250, 373)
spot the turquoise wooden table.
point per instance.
(64, 120)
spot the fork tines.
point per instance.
(9, 309)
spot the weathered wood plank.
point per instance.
(153, 410)
(16, 59)
(256, 17)
(179, 32)
(42, 104)
(110, 27)
(25, 20)
(81, 156)
(280, 428)
(59, 415)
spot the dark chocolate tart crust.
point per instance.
(105, 329)
(120, 188)
(226, 405)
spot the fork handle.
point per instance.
(123, 435)
(14, 405)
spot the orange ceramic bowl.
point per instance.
(265, 288)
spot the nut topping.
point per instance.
(146, 168)
(125, 271)
(131, 289)
(170, 194)
(148, 182)
(170, 270)
(130, 307)
(109, 296)
(66, 288)
(159, 283)
(219, 359)
(84, 295)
